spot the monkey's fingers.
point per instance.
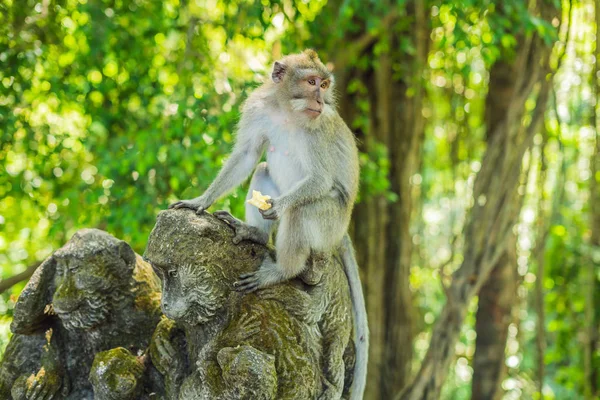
(247, 283)
(177, 204)
(35, 389)
(236, 224)
(248, 287)
(269, 214)
(226, 217)
(181, 204)
(163, 351)
(186, 204)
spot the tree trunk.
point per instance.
(591, 374)
(496, 300)
(544, 222)
(591, 370)
(381, 226)
(497, 296)
(490, 221)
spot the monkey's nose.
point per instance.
(319, 101)
(165, 305)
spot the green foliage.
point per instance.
(566, 305)
(112, 109)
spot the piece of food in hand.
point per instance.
(259, 200)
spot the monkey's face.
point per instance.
(304, 83)
(309, 94)
(191, 294)
(197, 262)
(86, 287)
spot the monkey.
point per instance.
(311, 174)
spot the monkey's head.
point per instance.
(198, 263)
(95, 279)
(93, 274)
(304, 84)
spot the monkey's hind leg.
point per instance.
(242, 230)
(292, 253)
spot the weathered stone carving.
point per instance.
(84, 321)
(290, 341)
(92, 295)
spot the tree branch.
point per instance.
(22, 276)
(359, 44)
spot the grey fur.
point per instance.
(312, 173)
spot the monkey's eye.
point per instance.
(311, 82)
(325, 85)
(173, 273)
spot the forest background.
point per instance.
(478, 225)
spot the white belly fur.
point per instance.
(283, 155)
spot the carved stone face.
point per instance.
(197, 262)
(104, 297)
(190, 293)
(90, 282)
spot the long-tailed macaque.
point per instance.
(311, 173)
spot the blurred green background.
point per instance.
(112, 109)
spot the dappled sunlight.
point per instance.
(110, 111)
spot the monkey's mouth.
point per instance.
(312, 112)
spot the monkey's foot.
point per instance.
(242, 230)
(248, 283)
(267, 275)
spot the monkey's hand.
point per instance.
(199, 204)
(43, 385)
(164, 352)
(274, 212)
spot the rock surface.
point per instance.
(88, 323)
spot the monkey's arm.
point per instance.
(244, 157)
(310, 188)
(324, 162)
(237, 168)
(321, 163)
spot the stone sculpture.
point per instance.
(290, 341)
(93, 294)
(88, 323)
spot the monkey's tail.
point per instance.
(361, 326)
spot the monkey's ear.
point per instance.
(311, 54)
(278, 71)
